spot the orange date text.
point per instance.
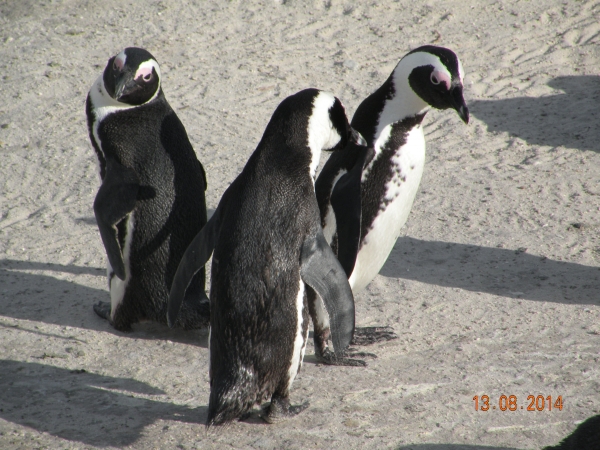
(511, 403)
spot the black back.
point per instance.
(265, 217)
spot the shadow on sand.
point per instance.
(569, 119)
(497, 271)
(83, 407)
(46, 299)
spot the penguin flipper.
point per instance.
(347, 207)
(321, 270)
(116, 199)
(194, 259)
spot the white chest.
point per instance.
(400, 192)
(103, 105)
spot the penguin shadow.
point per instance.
(87, 220)
(80, 406)
(18, 10)
(451, 447)
(497, 271)
(46, 299)
(568, 119)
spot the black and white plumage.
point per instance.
(390, 169)
(151, 202)
(585, 437)
(268, 244)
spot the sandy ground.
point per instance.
(493, 287)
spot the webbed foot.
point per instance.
(347, 359)
(372, 335)
(103, 310)
(280, 409)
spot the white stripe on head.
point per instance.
(461, 72)
(146, 67)
(120, 60)
(419, 59)
(321, 133)
(405, 102)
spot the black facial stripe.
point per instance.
(436, 95)
(145, 92)
(446, 56)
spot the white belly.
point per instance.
(116, 285)
(300, 338)
(401, 192)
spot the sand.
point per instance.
(493, 286)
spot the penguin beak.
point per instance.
(458, 103)
(125, 85)
(356, 137)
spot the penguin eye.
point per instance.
(115, 68)
(434, 79)
(147, 77)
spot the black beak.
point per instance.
(125, 85)
(458, 103)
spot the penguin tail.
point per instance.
(231, 399)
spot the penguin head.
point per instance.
(311, 121)
(437, 78)
(328, 126)
(132, 76)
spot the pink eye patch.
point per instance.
(438, 77)
(145, 72)
(119, 62)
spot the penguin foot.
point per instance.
(103, 310)
(347, 359)
(245, 416)
(280, 409)
(372, 335)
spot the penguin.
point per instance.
(268, 248)
(388, 170)
(585, 437)
(151, 203)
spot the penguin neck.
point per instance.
(321, 135)
(315, 157)
(404, 103)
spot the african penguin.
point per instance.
(268, 249)
(585, 437)
(363, 228)
(150, 204)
